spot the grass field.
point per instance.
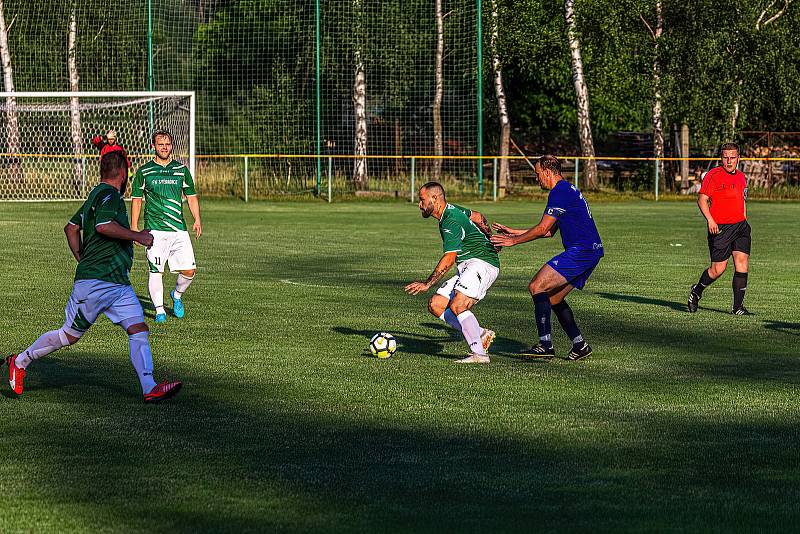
(677, 422)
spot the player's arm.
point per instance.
(99, 141)
(73, 232)
(136, 209)
(194, 207)
(444, 265)
(702, 203)
(503, 229)
(481, 222)
(545, 228)
(114, 230)
(137, 194)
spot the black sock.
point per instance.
(567, 321)
(541, 303)
(704, 282)
(739, 287)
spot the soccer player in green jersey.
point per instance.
(162, 183)
(102, 285)
(466, 244)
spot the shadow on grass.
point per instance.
(219, 462)
(407, 342)
(640, 299)
(784, 327)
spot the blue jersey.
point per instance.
(567, 204)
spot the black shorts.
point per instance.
(731, 237)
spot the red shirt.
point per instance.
(105, 148)
(727, 193)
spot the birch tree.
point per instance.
(582, 98)
(438, 143)
(502, 109)
(658, 118)
(360, 178)
(12, 117)
(74, 110)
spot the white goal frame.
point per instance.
(5, 97)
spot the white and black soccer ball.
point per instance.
(383, 345)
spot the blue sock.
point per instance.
(450, 318)
(567, 320)
(541, 303)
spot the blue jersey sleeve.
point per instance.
(557, 202)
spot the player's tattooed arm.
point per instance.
(480, 221)
(444, 265)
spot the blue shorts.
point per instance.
(576, 265)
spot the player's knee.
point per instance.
(188, 273)
(137, 328)
(534, 287)
(437, 305)
(717, 270)
(458, 307)
(66, 338)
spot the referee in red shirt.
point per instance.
(728, 230)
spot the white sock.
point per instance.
(181, 285)
(142, 360)
(472, 332)
(450, 318)
(156, 286)
(47, 343)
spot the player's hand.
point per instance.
(198, 229)
(713, 229)
(145, 238)
(414, 288)
(501, 240)
(135, 229)
(501, 228)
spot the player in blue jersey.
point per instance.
(569, 212)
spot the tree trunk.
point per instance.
(12, 117)
(658, 117)
(582, 97)
(74, 110)
(504, 177)
(438, 143)
(360, 179)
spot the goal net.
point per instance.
(46, 149)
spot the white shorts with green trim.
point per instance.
(90, 298)
(473, 280)
(174, 248)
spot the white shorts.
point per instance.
(174, 248)
(90, 298)
(473, 280)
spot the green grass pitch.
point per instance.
(677, 422)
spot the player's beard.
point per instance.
(427, 211)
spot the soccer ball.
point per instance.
(383, 345)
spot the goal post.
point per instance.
(46, 150)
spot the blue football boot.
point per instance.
(177, 306)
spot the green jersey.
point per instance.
(162, 186)
(459, 234)
(103, 258)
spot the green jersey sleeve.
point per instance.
(107, 208)
(188, 184)
(77, 219)
(465, 211)
(137, 188)
(452, 236)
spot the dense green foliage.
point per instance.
(252, 63)
(678, 422)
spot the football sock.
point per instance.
(739, 287)
(181, 285)
(47, 343)
(541, 304)
(705, 281)
(472, 332)
(156, 286)
(142, 360)
(567, 321)
(450, 318)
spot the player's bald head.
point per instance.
(433, 188)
